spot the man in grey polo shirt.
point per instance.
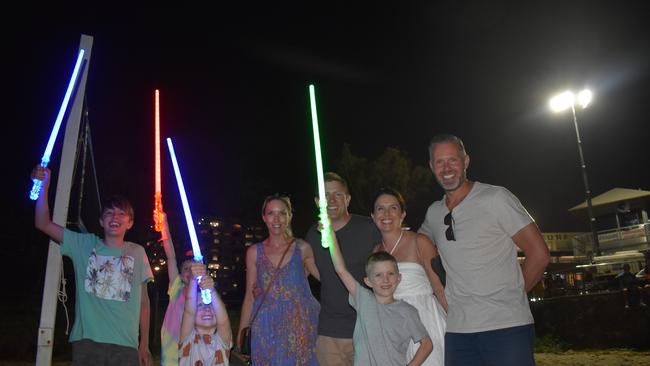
(477, 228)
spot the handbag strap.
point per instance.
(275, 274)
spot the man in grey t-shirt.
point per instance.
(357, 236)
(477, 229)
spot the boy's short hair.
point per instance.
(117, 201)
(333, 177)
(381, 256)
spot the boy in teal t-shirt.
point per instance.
(111, 284)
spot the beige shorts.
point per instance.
(334, 351)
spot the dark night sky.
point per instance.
(233, 83)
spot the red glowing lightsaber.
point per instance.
(158, 209)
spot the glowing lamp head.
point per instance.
(584, 98)
(567, 100)
(562, 101)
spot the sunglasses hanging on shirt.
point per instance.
(449, 221)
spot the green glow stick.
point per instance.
(326, 238)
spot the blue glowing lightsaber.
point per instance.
(205, 293)
(36, 188)
(326, 238)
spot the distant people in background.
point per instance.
(278, 295)
(420, 286)
(644, 280)
(477, 229)
(357, 235)
(206, 337)
(111, 275)
(628, 284)
(177, 291)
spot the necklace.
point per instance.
(396, 243)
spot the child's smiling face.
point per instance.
(383, 277)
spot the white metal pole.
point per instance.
(45, 342)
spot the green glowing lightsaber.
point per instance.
(326, 238)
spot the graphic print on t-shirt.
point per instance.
(109, 277)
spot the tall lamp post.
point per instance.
(560, 103)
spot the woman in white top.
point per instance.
(420, 286)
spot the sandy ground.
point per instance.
(569, 358)
(595, 358)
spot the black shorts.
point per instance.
(90, 353)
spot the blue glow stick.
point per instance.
(36, 188)
(326, 237)
(205, 293)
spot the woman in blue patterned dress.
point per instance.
(284, 328)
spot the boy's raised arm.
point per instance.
(168, 246)
(42, 217)
(339, 266)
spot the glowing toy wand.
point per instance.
(205, 293)
(36, 188)
(326, 238)
(157, 210)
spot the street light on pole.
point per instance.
(560, 103)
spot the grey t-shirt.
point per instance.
(357, 239)
(485, 285)
(383, 331)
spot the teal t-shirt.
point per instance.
(108, 288)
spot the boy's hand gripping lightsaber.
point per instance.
(36, 188)
(205, 293)
(157, 210)
(326, 232)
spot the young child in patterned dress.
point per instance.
(206, 337)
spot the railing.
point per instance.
(628, 237)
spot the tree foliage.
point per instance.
(392, 168)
